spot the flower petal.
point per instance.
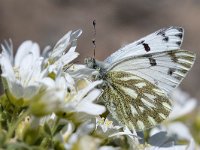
(7, 50)
(183, 104)
(61, 45)
(67, 42)
(84, 91)
(24, 49)
(6, 67)
(73, 39)
(161, 139)
(16, 89)
(46, 52)
(67, 58)
(48, 82)
(88, 107)
(25, 68)
(180, 130)
(30, 91)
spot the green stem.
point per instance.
(14, 125)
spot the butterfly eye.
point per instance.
(85, 60)
(89, 62)
(98, 68)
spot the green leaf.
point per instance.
(59, 128)
(47, 129)
(59, 125)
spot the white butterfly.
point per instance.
(139, 77)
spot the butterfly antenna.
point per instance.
(94, 39)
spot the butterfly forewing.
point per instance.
(134, 101)
(162, 40)
(165, 69)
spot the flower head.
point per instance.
(63, 52)
(81, 99)
(21, 74)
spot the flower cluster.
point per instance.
(50, 103)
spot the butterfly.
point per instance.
(138, 78)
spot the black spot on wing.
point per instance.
(152, 61)
(146, 47)
(178, 43)
(162, 33)
(179, 29)
(166, 39)
(180, 35)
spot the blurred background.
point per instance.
(118, 22)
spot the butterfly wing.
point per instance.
(162, 40)
(164, 69)
(134, 101)
(142, 74)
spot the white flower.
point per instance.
(63, 52)
(182, 132)
(81, 133)
(22, 73)
(50, 98)
(178, 131)
(82, 100)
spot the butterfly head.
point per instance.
(91, 63)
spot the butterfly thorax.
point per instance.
(99, 66)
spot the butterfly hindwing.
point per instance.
(165, 69)
(162, 40)
(133, 101)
